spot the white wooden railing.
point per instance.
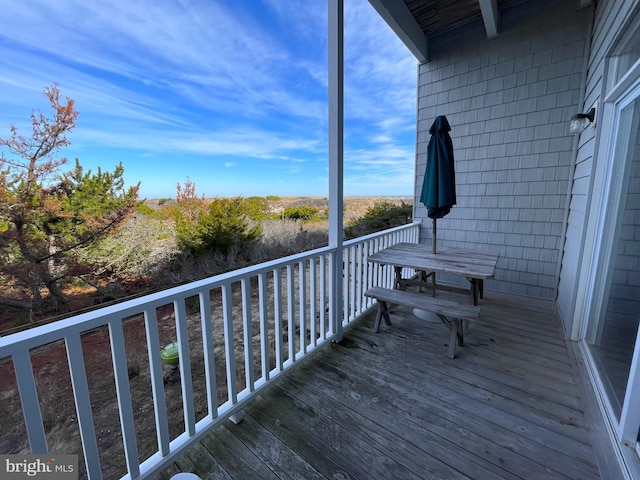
(239, 331)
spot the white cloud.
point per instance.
(381, 139)
(208, 54)
(211, 78)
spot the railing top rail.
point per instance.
(51, 332)
(371, 236)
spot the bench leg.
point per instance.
(453, 340)
(424, 279)
(460, 329)
(465, 326)
(433, 283)
(383, 311)
(376, 324)
(398, 278)
(474, 291)
(457, 337)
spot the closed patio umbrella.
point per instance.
(439, 186)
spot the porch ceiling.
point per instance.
(416, 21)
(437, 16)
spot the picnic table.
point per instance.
(473, 265)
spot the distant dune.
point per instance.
(354, 206)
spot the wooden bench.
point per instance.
(451, 313)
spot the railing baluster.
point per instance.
(389, 272)
(345, 285)
(291, 333)
(313, 301)
(157, 380)
(353, 260)
(247, 327)
(121, 374)
(29, 400)
(186, 380)
(227, 318)
(375, 270)
(302, 313)
(367, 273)
(82, 400)
(209, 353)
(264, 326)
(277, 316)
(359, 274)
(382, 276)
(323, 296)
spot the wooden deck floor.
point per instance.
(392, 405)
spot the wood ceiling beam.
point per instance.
(404, 25)
(490, 16)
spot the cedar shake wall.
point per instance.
(508, 101)
(610, 18)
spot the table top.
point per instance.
(456, 261)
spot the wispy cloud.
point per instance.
(227, 80)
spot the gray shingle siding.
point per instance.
(508, 101)
(609, 21)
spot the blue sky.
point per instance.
(231, 94)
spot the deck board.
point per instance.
(487, 418)
(470, 388)
(393, 405)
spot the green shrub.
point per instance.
(144, 209)
(381, 216)
(256, 208)
(160, 213)
(302, 212)
(221, 226)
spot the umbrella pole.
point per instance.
(433, 239)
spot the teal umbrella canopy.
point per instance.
(439, 186)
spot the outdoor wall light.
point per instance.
(580, 121)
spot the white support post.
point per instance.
(336, 160)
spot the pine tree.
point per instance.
(46, 215)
